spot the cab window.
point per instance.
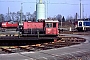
(48, 25)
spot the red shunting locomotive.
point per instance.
(46, 27)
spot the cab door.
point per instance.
(54, 29)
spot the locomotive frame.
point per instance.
(41, 28)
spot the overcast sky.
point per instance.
(64, 7)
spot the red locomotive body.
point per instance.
(9, 24)
(47, 27)
(33, 25)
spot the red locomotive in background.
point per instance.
(9, 24)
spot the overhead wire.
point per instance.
(48, 3)
(10, 1)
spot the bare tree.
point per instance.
(69, 18)
(63, 19)
(23, 17)
(2, 17)
(18, 16)
(34, 16)
(13, 16)
(8, 17)
(28, 16)
(49, 18)
(76, 16)
(59, 17)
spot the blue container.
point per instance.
(86, 23)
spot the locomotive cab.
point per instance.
(51, 27)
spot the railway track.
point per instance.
(63, 42)
(77, 33)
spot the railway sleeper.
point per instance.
(26, 48)
(7, 50)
